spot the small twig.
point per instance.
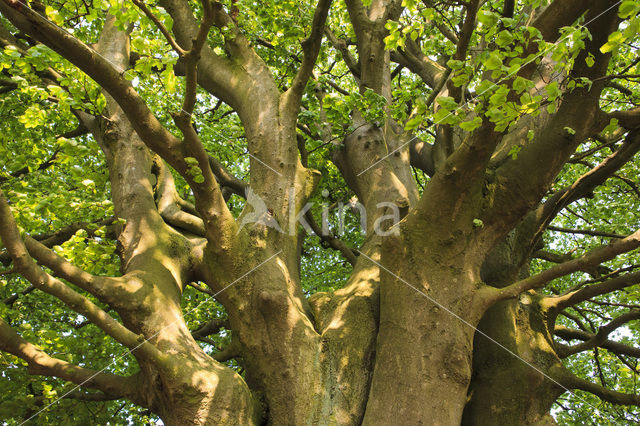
(165, 32)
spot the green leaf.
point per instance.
(494, 61)
(471, 125)
(553, 91)
(615, 39)
(460, 79)
(487, 18)
(455, 64)
(442, 116)
(413, 123)
(590, 60)
(611, 127)
(628, 8)
(521, 84)
(504, 38)
(514, 151)
(447, 102)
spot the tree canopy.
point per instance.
(325, 212)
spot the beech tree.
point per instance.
(331, 212)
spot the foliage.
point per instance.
(37, 121)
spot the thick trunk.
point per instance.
(513, 349)
(192, 389)
(347, 319)
(512, 388)
(424, 348)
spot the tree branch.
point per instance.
(11, 299)
(571, 381)
(27, 267)
(229, 352)
(601, 336)
(61, 235)
(150, 130)
(168, 202)
(585, 232)
(610, 345)
(333, 242)
(560, 13)
(108, 290)
(574, 297)
(41, 363)
(226, 179)
(412, 58)
(594, 257)
(629, 119)
(165, 32)
(213, 326)
(341, 46)
(523, 181)
(468, 26)
(311, 49)
(586, 183)
(192, 57)
(25, 170)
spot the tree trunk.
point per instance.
(424, 347)
(511, 388)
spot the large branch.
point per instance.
(236, 80)
(412, 58)
(216, 73)
(151, 131)
(592, 258)
(571, 381)
(598, 339)
(521, 182)
(629, 119)
(459, 181)
(464, 39)
(610, 345)
(369, 27)
(560, 13)
(41, 363)
(585, 184)
(169, 203)
(574, 297)
(112, 291)
(27, 267)
(311, 49)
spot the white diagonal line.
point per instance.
(486, 90)
(264, 164)
(465, 322)
(151, 337)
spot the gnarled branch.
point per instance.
(39, 362)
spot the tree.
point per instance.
(170, 182)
